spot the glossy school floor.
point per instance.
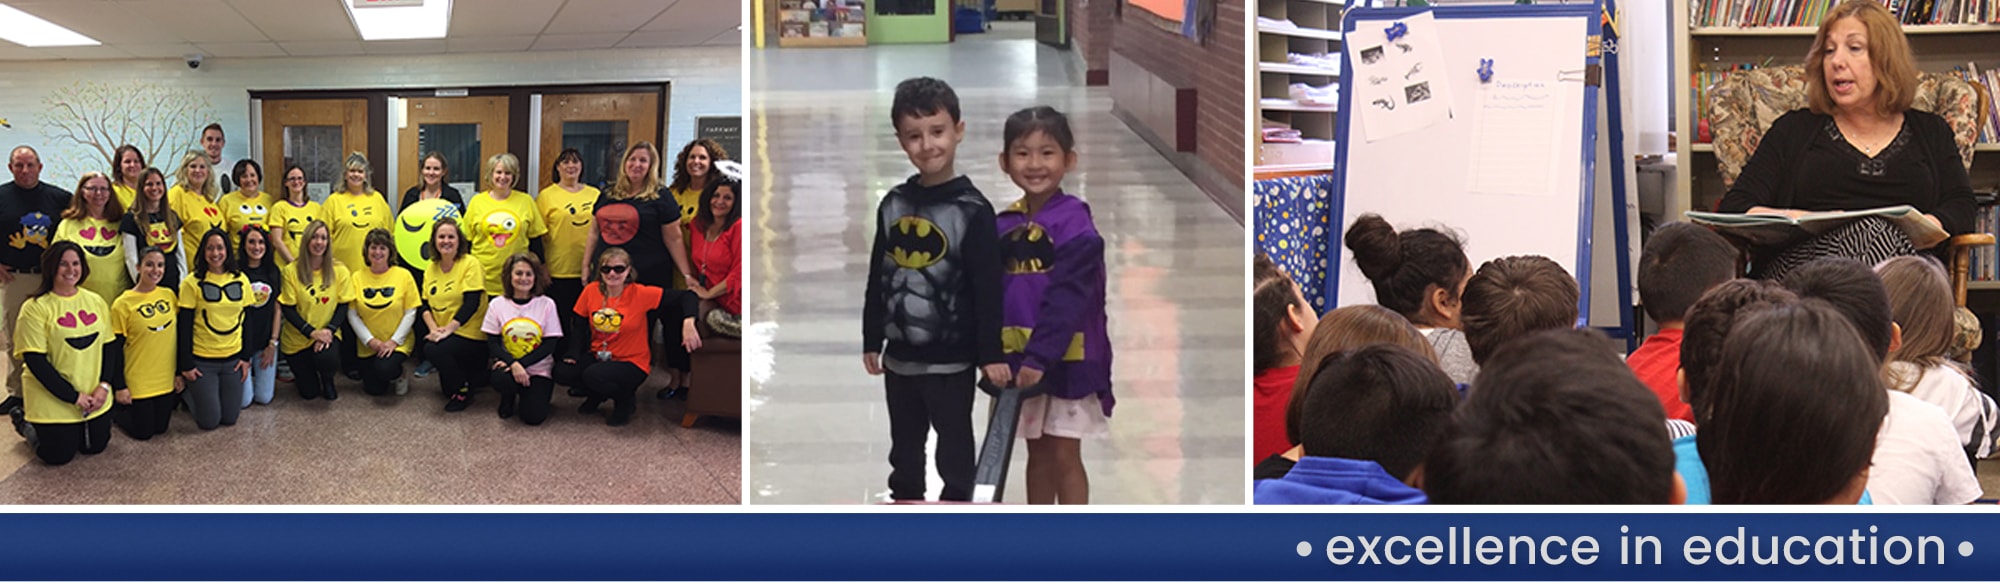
(824, 153)
(398, 450)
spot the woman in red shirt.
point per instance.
(617, 357)
(718, 258)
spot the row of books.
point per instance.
(833, 18)
(1990, 132)
(1752, 13)
(1985, 261)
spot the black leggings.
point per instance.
(533, 398)
(615, 381)
(313, 372)
(145, 417)
(379, 375)
(460, 362)
(669, 321)
(61, 442)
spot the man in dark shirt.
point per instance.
(29, 210)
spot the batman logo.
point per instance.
(1026, 249)
(915, 242)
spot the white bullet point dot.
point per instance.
(1306, 549)
(1965, 549)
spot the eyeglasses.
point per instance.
(295, 179)
(96, 188)
(609, 269)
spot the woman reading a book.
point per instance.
(1857, 146)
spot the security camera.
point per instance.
(194, 61)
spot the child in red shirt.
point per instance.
(1681, 261)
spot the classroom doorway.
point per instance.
(1051, 23)
(466, 130)
(600, 126)
(315, 134)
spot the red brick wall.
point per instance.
(1215, 70)
(1090, 35)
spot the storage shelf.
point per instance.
(1702, 148)
(1916, 29)
(1297, 106)
(1709, 148)
(1289, 68)
(1301, 32)
(1985, 147)
(1982, 285)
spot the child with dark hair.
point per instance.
(933, 296)
(1281, 323)
(1346, 328)
(1055, 329)
(1555, 419)
(1514, 296)
(1918, 458)
(1366, 423)
(1420, 274)
(1680, 262)
(1795, 405)
(1707, 324)
(1921, 365)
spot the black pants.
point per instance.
(313, 372)
(669, 322)
(615, 381)
(379, 375)
(350, 356)
(460, 362)
(61, 442)
(918, 405)
(145, 417)
(532, 401)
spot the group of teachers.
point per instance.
(144, 291)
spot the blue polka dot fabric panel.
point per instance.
(1292, 218)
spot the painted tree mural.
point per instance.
(90, 119)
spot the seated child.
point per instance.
(1347, 328)
(1418, 273)
(1680, 262)
(1555, 418)
(1707, 324)
(1283, 321)
(1510, 297)
(1793, 409)
(1920, 301)
(1367, 422)
(1918, 459)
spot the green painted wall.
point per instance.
(906, 29)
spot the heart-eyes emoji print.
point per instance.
(71, 319)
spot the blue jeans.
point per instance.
(259, 383)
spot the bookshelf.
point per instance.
(1938, 47)
(1286, 31)
(822, 23)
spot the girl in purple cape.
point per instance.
(1052, 261)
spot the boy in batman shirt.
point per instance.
(933, 296)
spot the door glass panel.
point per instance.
(459, 142)
(315, 149)
(602, 143)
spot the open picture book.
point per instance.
(1777, 230)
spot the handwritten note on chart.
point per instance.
(1515, 143)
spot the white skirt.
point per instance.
(1077, 419)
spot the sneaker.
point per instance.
(402, 386)
(506, 407)
(457, 402)
(423, 369)
(285, 371)
(330, 392)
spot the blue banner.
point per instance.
(985, 546)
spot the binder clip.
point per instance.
(1396, 31)
(1485, 70)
